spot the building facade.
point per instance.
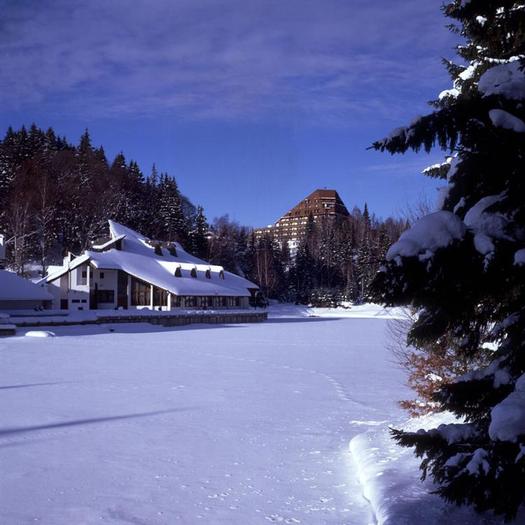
(130, 271)
(321, 205)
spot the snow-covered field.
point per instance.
(240, 424)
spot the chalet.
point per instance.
(17, 293)
(130, 271)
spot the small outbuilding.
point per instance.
(17, 293)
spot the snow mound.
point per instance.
(508, 417)
(360, 311)
(390, 479)
(485, 225)
(39, 333)
(519, 257)
(429, 233)
(504, 119)
(507, 80)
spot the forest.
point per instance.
(56, 197)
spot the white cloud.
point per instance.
(317, 60)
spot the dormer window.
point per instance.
(158, 249)
(172, 250)
(221, 274)
(208, 274)
(178, 272)
(193, 273)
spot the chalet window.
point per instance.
(193, 273)
(176, 301)
(81, 276)
(178, 272)
(160, 297)
(140, 293)
(208, 274)
(190, 302)
(105, 296)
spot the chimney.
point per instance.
(68, 258)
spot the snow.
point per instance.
(357, 311)
(519, 257)
(216, 424)
(485, 225)
(39, 333)
(453, 93)
(16, 288)
(469, 71)
(479, 463)
(239, 424)
(504, 119)
(481, 20)
(57, 271)
(436, 230)
(476, 216)
(391, 480)
(455, 432)
(508, 417)
(507, 80)
(107, 244)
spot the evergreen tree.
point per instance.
(152, 221)
(199, 235)
(174, 225)
(463, 267)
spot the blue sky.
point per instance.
(250, 104)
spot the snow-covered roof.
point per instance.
(107, 244)
(62, 270)
(138, 258)
(16, 288)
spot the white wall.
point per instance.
(108, 282)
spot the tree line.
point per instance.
(56, 197)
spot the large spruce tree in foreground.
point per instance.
(463, 267)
